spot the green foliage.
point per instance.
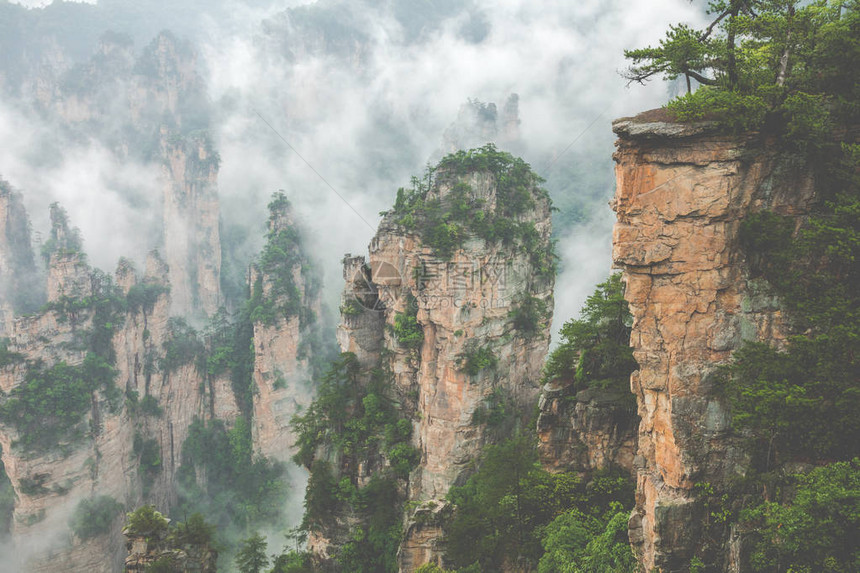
(148, 453)
(815, 529)
(63, 240)
(788, 66)
(7, 501)
(407, 331)
(502, 511)
(164, 564)
(181, 347)
(527, 316)
(445, 224)
(595, 349)
(373, 546)
(292, 562)
(6, 357)
(735, 111)
(146, 521)
(804, 402)
(143, 296)
(321, 498)
(106, 306)
(281, 256)
(34, 484)
(48, 408)
(242, 489)
(431, 568)
(680, 53)
(475, 359)
(149, 406)
(497, 410)
(231, 349)
(193, 531)
(575, 541)
(167, 537)
(251, 556)
(356, 420)
(93, 516)
(351, 308)
(359, 422)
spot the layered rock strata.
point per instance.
(682, 193)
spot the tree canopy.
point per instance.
(759, 58)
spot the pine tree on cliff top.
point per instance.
(759, 59)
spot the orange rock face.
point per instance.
(681, 196)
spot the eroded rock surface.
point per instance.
(462, 304)
(682, 193)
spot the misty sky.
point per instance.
(365, 103)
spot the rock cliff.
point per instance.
(682, 192)
(583, 431)
(152, 108)
(112, 409)
(190, 220)
(20, 287)
(459, 329)
(286, 337)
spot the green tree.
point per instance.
(146, 521)
(292, 562)
(193, 531)
(815, 529)
(501, 512)
(683, 51)
(794, 62)
(251, 556)
(595, 349)
(94, 516)
(576, 542)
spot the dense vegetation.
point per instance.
(512, 511)
(166, 536)
(594, 351)
(446, 223)
(789, 66)
(281, 258)
(354, 416)
(242, 489)
(7, 502)
(790, 69)
(94, 516)
(406, 330)
(802, 404)
(49, 407)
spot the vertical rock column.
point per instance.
(682, 193)
(463, 304)
(192, 243)
(282, 282)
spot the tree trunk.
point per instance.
(783, 60)
(731, 60)
(687, 76)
